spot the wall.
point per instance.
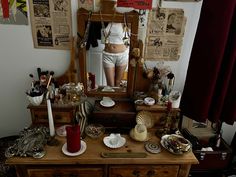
(18, 58)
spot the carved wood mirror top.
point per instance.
(108, 15)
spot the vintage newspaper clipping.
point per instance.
(164, 34)
(51, 23)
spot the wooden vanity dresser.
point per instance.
(90, 163)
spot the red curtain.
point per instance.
(210, 87)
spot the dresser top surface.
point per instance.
(95, 147)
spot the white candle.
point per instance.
(140, 132)
(50, 119)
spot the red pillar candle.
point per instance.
(92, 79)
(5, 8)
(73, 138)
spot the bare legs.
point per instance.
(114, 75)
(119, 74)
(110, 75)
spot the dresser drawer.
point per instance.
(144, 171)
(62, 114)
(122, 114)
(65, 172)
(114, 120)
(39, 117)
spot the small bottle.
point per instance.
(168, 116)
(218, 140)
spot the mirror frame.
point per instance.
(132, 18)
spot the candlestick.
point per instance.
(50, 119)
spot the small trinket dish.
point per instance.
(114, 141)
(81, 151)
(149, 101)
(107, 102)
(152, 147)
(95, 130)
(176, 144)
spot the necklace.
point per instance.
(105, 34)
(83, 42)
(126, 30)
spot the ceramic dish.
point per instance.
(61, 131)
(81, 151)
(152, 147)
(138, 102)
(107, 103)
(177, 140)
(131, 134)
(149, 101)
(107, 141)
(145, 117)
(95, 130)
(173, 145)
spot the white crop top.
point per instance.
(117, 33)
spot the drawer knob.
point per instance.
(223, 155)
(150, 173)
(56, 175)
(72, 175)
(202, 155)
(136, 173)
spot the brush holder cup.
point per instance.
(35, 100)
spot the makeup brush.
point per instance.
(39, 72)
(33, 80)
(50, 78)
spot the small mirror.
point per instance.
(99, 75)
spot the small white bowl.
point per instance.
(149, 101)
(35, 100)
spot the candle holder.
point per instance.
(52, 141)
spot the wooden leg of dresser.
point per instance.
(21, 171)
(184, 170)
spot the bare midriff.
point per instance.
(115, 48)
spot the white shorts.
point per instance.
(115, 59)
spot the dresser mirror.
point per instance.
(106, 15)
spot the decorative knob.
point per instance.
(136, 173)
(150, 173)
(56, 175)
(72, 175)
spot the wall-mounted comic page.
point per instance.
(13, 12)
(165, 33)
(51, 23)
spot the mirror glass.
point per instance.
(107, 62)
(104, 51)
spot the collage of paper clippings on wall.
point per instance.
(165, 31)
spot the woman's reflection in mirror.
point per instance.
(115, 53)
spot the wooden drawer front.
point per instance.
(114, 120)
(59, 117)
(66, 172)
(144, 171)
